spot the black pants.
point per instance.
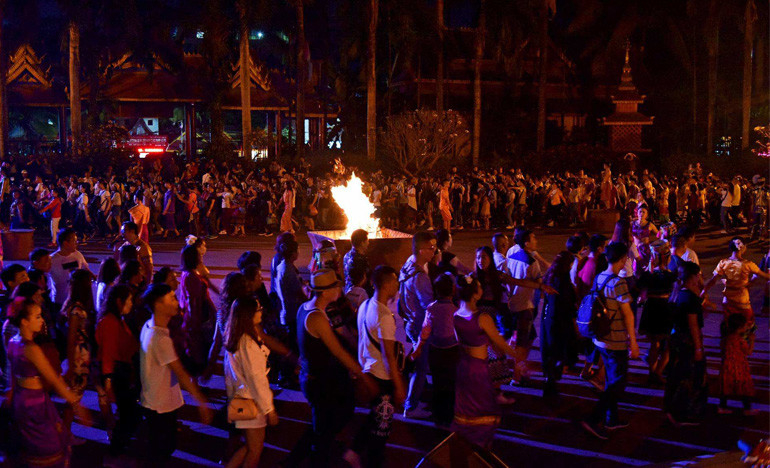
(373, 435)
(332, 405)
(126, 396)
(443, 364)
(161, 433)
(616, 374)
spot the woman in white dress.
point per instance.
(246, 370)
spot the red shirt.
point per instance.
(55, 206)
(115, 341)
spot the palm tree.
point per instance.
(480, 33)
(712, 47)
(302, 53)
(371, 83)
(3, 72)
(748, 42)
(74, 82)
(245, 70)
(543, 74)
(440, 58)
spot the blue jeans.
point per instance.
(616, 376)
(419, 376)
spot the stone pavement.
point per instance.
(532, 433)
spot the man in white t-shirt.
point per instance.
(63, 262)
(377, 356)
(163, 376)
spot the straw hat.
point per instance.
(324, 279)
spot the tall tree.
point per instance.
(3, 73)
(302, 56)
(440, 57)
(371, 82)
(245, 69)
(543, 74)
(748, 43)
(712, 47)
(74, 83)
(480, 36)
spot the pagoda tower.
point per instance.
(625, 124)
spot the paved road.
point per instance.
(532, 433)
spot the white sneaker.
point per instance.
(417, 413)
(222, 232)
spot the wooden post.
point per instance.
(62, 129)
(543, 78)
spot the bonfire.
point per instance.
(356, 206)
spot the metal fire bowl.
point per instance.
(386, 247)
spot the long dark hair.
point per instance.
(622, 231)
(191, 258)
(80, 291)
(559, 269)
(119, 292)
(241, 322)
(685, 271)
(233, 287)
(490, 276)
(108, 271)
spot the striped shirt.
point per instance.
(615, 293)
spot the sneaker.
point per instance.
(416, 413)
(616, 425)
(594, 430)
(213, 236)
(222, 232)
(504, 400)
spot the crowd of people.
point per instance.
(210, 201)
(357, 333)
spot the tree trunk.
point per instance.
(440, 65)
(74, 84)
(480, 32)
(3, 74)
(748, 42)
(301, 77)
(694, 53)
(543, 76)
(371, 83)
(712, 46)
(245, 64)
(760, 58)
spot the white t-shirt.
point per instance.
(161, 391)
(690, 256)
(61, 267)
(378, 319)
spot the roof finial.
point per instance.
(628, 49)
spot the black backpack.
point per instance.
(593, 320)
